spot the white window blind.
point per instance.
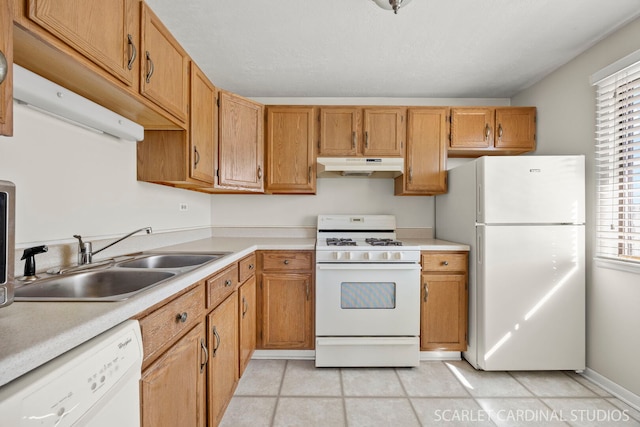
(617, 164)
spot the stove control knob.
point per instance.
(367, 255)
(337, 255)
(347, 255)
(399, 255)
(386, 255)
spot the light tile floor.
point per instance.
(276, 393)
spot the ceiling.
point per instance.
(353, 48)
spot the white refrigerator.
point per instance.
(523, 218)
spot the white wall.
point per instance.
(73, 181)
(566, 125)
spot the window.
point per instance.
(617, 165)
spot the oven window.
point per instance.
(365, 295)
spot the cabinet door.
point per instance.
(339, 134)
(472, 127)
(241, 148)
(516, 128)
(247, 300)
(426, 157)
(222, 326)
(164, 77)
(384, 132)
(172, 389)
(6, 85)
(290, 153)
(105, 32)
(443, 314)
(286, 309)
(204, 126)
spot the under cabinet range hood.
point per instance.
(45, 96)
(378, 167)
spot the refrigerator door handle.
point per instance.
(479, 247)
(479, 202)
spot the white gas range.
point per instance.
(367, 293)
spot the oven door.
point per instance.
(371, 300)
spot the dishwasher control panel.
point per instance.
(66, 389)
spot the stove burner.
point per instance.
(335, 241)
(382, 242)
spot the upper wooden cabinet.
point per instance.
(357, 131)
(240, 160)
(290, 157)
(6, 85)
(203, 142)
(478, 131)
(184, 158)
(164, 77)
(426, 156)
(107, 32)
(94, 48)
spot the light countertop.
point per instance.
(32, 333)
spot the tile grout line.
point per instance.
(275, 408)
(342, 396)
(406, 395)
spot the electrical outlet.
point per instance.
(184, 207)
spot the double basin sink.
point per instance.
(114, 280)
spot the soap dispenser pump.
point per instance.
(29, 257)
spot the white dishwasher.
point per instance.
(95, 384)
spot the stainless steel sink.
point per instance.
(170, 260)
(104, 285)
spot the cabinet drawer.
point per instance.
(246, 267)
(444, 261)
(221, 285)
(287, 260)
(163, 325)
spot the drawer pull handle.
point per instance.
(426, 291)
(182, 317)
(203, 346)
(134, 52)
(227, 282)
(245, 307)
(307, 286)
(286, 262)
(445, 262)
(150, 67)
(217, 338)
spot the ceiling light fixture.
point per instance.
(391, 4)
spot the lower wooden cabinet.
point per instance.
(286, 300)
(247, 321)
(222, 331)
(172, 388)
(444, 301)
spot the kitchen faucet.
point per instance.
(85, 252)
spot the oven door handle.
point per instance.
(368, 266)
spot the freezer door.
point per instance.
(530, 190)
(531, 298)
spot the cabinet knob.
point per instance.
(251, 266)
(182, 317)
(227, 282)
(445, 262)
(286, 262)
